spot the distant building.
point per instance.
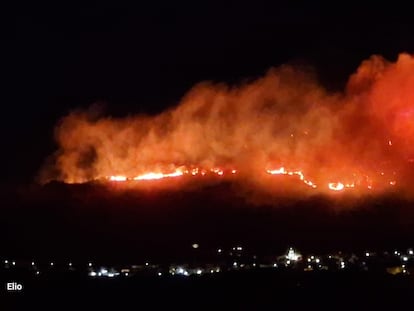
(291, 257)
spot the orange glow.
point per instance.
(217, 171)
(182, 171)
(118, 178)
(336, 186)
(359, 140)
(283, 171)
(152, 176)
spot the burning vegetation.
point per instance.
(284, 123)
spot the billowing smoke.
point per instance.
(282, 131)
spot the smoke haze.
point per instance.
(285, 123)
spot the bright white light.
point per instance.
(309, 260)
(405, 258)
(159, 273)
(410, 252)
(90, 264)
(92, 273)
(33, 263)
(239, 248)
(70, 264)
(179, 270)
(118, 178)
(312, 257)
(336, 186)
(292, 255)
(147, 264)
(199, 272)
(275, 265)
(104, 271)
(195, 245)
(288, 262)
(37, 272)
(126, 273)
(149, 176)
(6, 262)
(317, 260)
(111, 275)
(219, 250)
(13, 263)
(234, 264)
(218, 270)
(99, 274)
(51, 263)
(211, 271)
(367, 254)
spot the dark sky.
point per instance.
(143, 57)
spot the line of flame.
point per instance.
(334, 186)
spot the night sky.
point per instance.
(142, 58)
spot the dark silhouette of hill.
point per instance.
(94, 221)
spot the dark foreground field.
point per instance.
(253, 290)
(92, 222)
(65, 223)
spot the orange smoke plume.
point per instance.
(283, 126)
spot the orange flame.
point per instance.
(360, 139)
(336, 186)
(118, 178)
(283, 171)
(152, 176)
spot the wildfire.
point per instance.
(176, 173)
(336, 186)
(283, 171)
(152, 176)
(118, 178)
(357, 139)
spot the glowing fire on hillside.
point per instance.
(334, 186)
(284, 124)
